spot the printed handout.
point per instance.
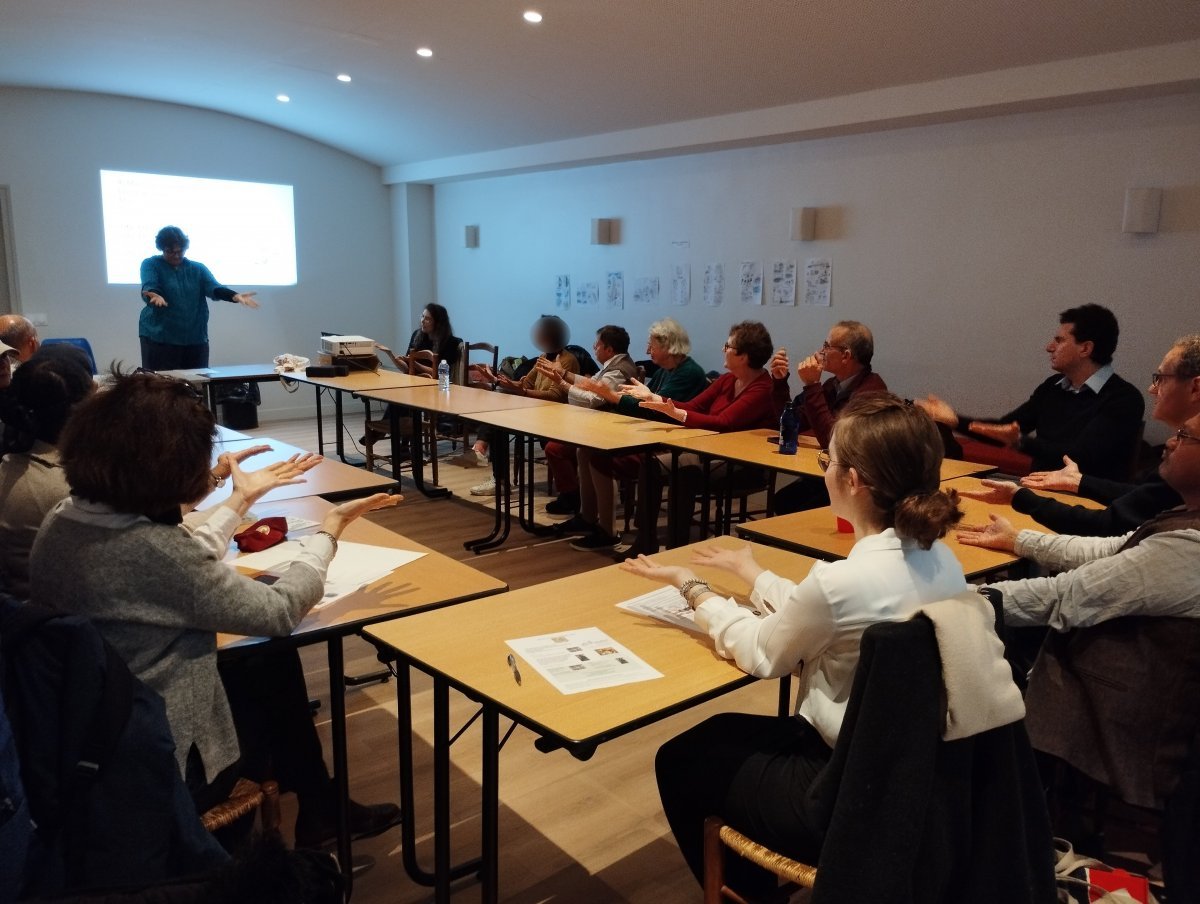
(616, 291)
(783, 282)
(645, 290)
(681, 284)
(354, 566)
(751, 282)
(666, 605)
(714, 284)
(586, 659)
(818, 278)
(562, 293)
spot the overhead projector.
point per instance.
(345, 346)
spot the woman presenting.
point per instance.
(173, 327)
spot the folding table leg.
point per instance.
(341, 777)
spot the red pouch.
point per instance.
(262, 535)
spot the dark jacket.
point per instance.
(913, 818)
(1099, 430)
(1137, 505)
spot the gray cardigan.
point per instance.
(31, 484)
(160, 597)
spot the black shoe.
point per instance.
(597, 539)
(366, 821)
(574, 525)
(565, 504)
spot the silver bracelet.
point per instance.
(332, 539)
(689, 586)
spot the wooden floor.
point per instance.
(570, 831)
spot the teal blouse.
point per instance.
(184, 321)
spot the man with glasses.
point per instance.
(1085, 410)
(846, 355)
(1114, 688)
(1175, 387)
(173, 327)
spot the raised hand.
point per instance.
(738, 561)
(246, 299)
(665, 406)
(1065, 479)
(645, 567)
(938, 409)
(587, 384)
(156, 300)
(250, 486)
(1008, 434)
(998, 533)
(339, 518)
(993, 492)
(637, 389)
(809, 370)
(778, 365)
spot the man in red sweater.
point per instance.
(846, 354)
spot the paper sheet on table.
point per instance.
(354, 566)
(666, 605)
(583, 660)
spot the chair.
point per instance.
(81, 344)
(246, 797)
(900, 821)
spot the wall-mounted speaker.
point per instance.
(605, 231)
(804, 224)
(1142, 209)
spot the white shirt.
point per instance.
(819, 622)
(616, 370)
(1095, 382)
(1159, 576)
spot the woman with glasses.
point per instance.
(883, 472)
(739, 399)
(173, 327)
(137, 456)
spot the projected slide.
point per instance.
(245, 232)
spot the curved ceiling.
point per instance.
(496, 81)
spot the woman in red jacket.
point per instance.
(739, 399)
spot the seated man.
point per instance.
(19, 333)
(1116, 697)
(846, 354)
(1086, 412)
(616, 368)
(1176, 390)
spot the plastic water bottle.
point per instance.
(789, 431)
(444, 376)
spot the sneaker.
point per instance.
(597, 539)
(469, 459)
(487, 488)
(565, 504)
(574, 525)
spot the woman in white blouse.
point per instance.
(883, 472)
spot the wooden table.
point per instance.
(429, 583)
(359, 382)
(604, 431)
(474, 662)
(329, 478)
(211, 377)
(815, 532)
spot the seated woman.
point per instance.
(32, 482)
(882, 471)
(550, 337)
(740, 399)
(116, 551)
(678, 377)
(434, 334)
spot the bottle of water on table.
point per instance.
(444, 376)
(789, 431)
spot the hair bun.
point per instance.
(926, 517)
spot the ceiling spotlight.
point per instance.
(532, 15)
(283, 98)
(424, 52)
(342, 77)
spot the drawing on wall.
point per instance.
(751, 284)
(783, 282)
(818, 278)
(587, 295)
(645, 290)
(562, 293)
(714, 284)
(616, 291)
(681, 284)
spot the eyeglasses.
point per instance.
(826, 347)
(824, 460)
(1182, 436)
(730, 348)
(1157, 377)
(193, 390)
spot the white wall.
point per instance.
(958, 244)
(53, 145)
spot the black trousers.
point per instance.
(753, 772)
(161, 356)
(800, 496)
(278, 739)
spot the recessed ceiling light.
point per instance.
(532, 15)
(424, 52)
(342, 77)
(283, 98)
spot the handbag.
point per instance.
(1085, 880)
